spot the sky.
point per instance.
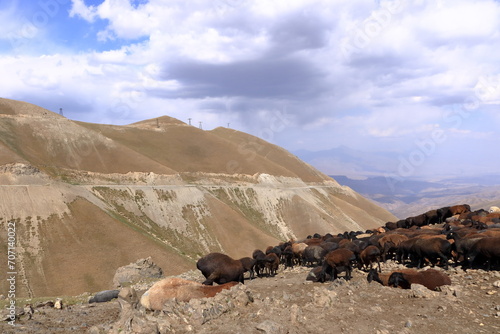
(419, 79)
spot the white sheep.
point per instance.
(494, 209)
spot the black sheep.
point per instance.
(431, 249)
(486, 248)
(313, 255)
(461, 246)
(260, 265)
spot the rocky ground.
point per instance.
(287, 303)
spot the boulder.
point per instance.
(177, 316)
(135, 272)
(104, 296)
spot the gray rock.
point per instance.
(452, 290)
(420, 291)
(324, 297)
(104, 296)
(135, 272)
(271, 327)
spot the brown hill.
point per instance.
(88, 198)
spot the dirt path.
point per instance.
(287, 303)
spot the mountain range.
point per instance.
(375, 176)
(88, 198)
(406, 198)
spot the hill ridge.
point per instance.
(108, 194)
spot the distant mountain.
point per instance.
(89, 198)
(405, 198)
(388, 189)
(346, 161)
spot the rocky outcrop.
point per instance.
(177, 316)
(142, 269)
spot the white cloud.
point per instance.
(78, 8)
(239, 61)
(460, 21)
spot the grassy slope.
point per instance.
(250, 147)
(83, 250)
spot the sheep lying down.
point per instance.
(181, 290)
(404, 278)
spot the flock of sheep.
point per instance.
(457, 234)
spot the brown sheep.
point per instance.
(260, 263)
(337, 261)
(383, 278)
(298, 250)
(403, 278)
(449, 211)
(220, 268)
(459, 209)
(180, 289)
(389, 243)
(248, 265)
(420, 220)
(272, 263)
(391, 226)
(430, 278)
(368, 256)
(313, 241)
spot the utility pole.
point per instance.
(61, 112)
(200, 126)
(189, 119)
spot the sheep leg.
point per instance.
(348, 275)
(323, 272)
(209, 280)
(420, 262)
(399, 257)
(444, 260)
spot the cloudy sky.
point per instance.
(420, 79)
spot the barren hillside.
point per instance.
(88, 198)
